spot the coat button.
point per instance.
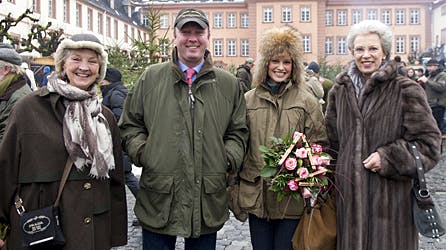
(87, 185)
(87, 220)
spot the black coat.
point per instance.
(114, 96)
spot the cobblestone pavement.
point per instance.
(235, 235)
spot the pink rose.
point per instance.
(306, 193)
(290, 164)
(325, 160)
(320, 168)
(293, 185)
(301, 153)
(302, 172)
(297, 135)
(316, 148)
(316, 160)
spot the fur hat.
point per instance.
(8, 54)
(274, 42)
(80, 41)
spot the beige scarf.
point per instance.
(86, 132)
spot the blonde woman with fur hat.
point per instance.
(278, 104)
(62, 121)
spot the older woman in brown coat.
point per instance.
(63, 120)
(371, 117)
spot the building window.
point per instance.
(108, 26)
(305, 14)
(132, 33)
(356, 16)
(414, 44)
(342, 45)
(164, 21)
(329, 45)
(232, 48)
(126, 33)
(218, 48)
(100, 23)
(66, 11)
(386, 17)
(52, 8)
(115, 24)
(342, 17)
(414, 16)
(372, 14)
(443, 10)
(164, 46)
(145, 20)
(36, 6)
(218, 21)
(268, 15)
(244, 48)
(244, 20)
(286, 14)
(400, 44)
(89, 19)
(329, 18)
(232, 21)
(443, 36)
(400, 17)
(78, 15)
(306, 40)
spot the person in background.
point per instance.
(114, 93)
(372, 116)
(184, 123)
(435, 86)
(278, 104)
(419, 73)
(410, 73)
(325, 82)
(244, 74)
(30, 76)
(46, 73)
(44, 131)
(13, 85)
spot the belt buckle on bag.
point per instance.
(19, 206)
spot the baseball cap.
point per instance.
(191, 15)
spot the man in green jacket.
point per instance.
(12, 83)
(184, 123)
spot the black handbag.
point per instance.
(425, 215)
(41, 228)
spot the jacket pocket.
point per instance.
(249, 194)
(214, 205)
(154, 202)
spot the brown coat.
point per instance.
(293, 108)
(374, 209)
(33, 156)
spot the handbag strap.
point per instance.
(66, 172)
(421, 180)
(19, 203)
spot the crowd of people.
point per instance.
(190, 125)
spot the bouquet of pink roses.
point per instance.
(295, 167)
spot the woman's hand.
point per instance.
(373, 162)
(2, 243)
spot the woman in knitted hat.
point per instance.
(278, 104)
(62, 121)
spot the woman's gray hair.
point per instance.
(371, 26)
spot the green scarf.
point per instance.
(7, 81)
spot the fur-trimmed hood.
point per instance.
(81, 41)
(273, 42)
